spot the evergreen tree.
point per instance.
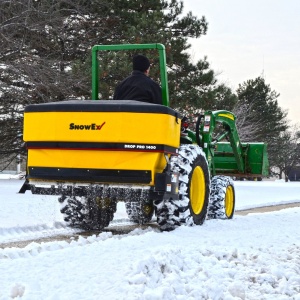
(261, 105)
(46, 53)
(191, 86)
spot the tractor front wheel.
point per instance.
(222, 198)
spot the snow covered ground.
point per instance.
(250, 257)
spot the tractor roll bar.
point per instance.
(162, 65)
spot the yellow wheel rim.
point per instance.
(197, 190)
(229, 201)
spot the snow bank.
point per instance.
(245, 258)
(250, 257)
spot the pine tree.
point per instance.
(261, 105)
(46, 54)
(191, 86)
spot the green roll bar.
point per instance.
(162, 65)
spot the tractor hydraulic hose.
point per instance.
(198, 139)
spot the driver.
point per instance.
(139, 86)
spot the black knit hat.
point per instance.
(140, 63)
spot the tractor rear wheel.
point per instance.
(222, 198)
(194, 182)
(138, 206)
(92, 212)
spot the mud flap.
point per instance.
(167, 184)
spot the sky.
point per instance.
(251, 257)
(247, 39)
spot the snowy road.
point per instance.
(256, 256)
(32, 217)
(120, 227)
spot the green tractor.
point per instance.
(94, 154)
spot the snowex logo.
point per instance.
(92, 126)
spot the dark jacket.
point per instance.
(138, 86)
